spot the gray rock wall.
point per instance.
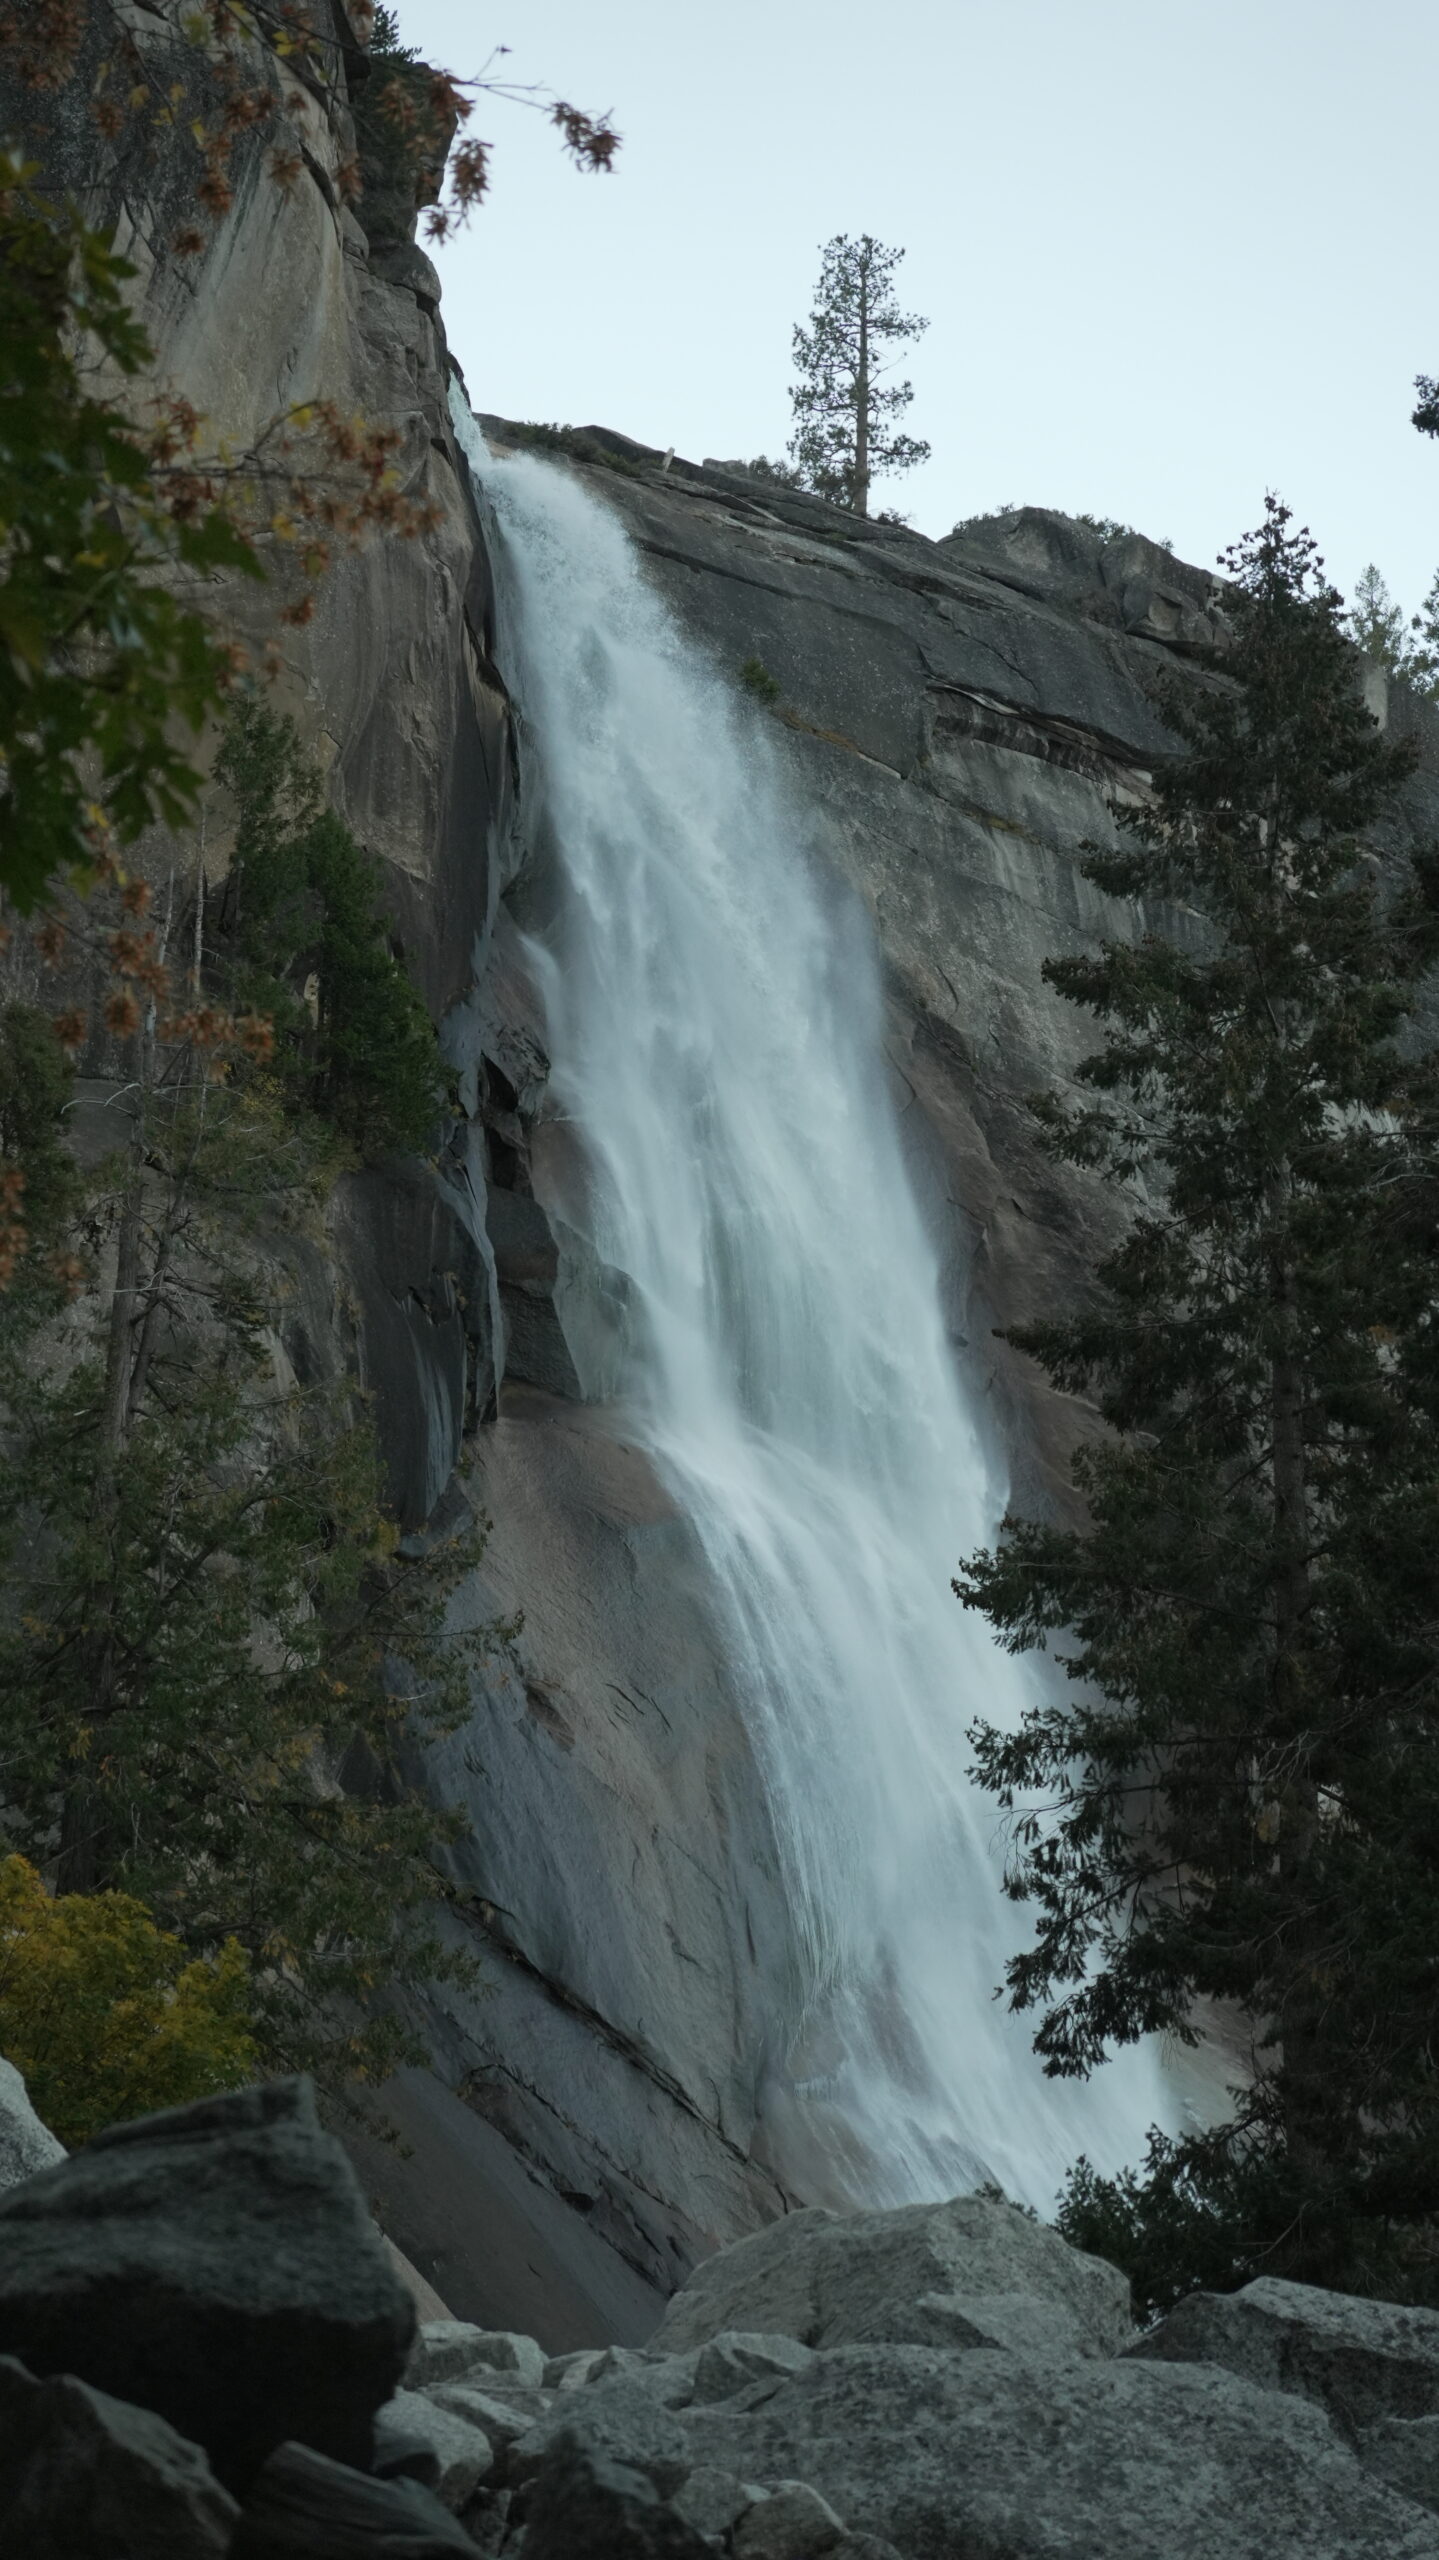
(960, 715)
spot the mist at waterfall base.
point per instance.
(714, 1020)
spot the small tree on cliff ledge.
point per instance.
(1240, 1797)
(843, 413)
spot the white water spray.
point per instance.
(714, 1022)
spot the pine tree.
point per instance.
(1238, 1798)
(1376, 624)
(843, 412)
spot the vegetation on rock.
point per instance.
(755, 676)
(304, 942)
(784, 475)
(1239, 1798)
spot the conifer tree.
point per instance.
(1377, 623)
(1238, 1796)
(843, 411)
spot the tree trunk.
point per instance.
(861, 405)
(1298, 1797)
(78, 1866)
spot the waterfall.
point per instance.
(714, 1019)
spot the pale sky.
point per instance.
(1171, 254)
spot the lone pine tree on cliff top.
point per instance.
(1239, 1796)
(843, 413)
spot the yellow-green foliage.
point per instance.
(103, 2012)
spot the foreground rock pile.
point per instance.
(205, 2351)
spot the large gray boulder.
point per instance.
(25, 2143)
(617, 2422)
(973, 2273)
(1405, 2452)
(1362, 2361)
(792, 2523)
(587, 2507)
(983, 2455)
(305, 2507)
(503, 2413)
(217, 2264)
(417, 2439)
(85, 2477)
(447, 2350)
(735, 2361)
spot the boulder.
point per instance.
(411, 2427)
(571, 2372)
(218, 2265)
(1362, 2361)
(615, 2422)
(930, 2274)
(1405, 2452)
(403, 2453)
(488, 2522)
(669, 2379)
(302, 2506)
(713, 2501)
(446, 2350)
(25, 2143)
(737, 2358)
(85, 2477)
(978, 2454)
(793, 2523)
(587, 2507)
(504, 2417)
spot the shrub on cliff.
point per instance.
(1239, 1799)
(106, 2015)
(309, 947)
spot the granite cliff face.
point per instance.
(959, 714)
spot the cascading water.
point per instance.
(714, 1022)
